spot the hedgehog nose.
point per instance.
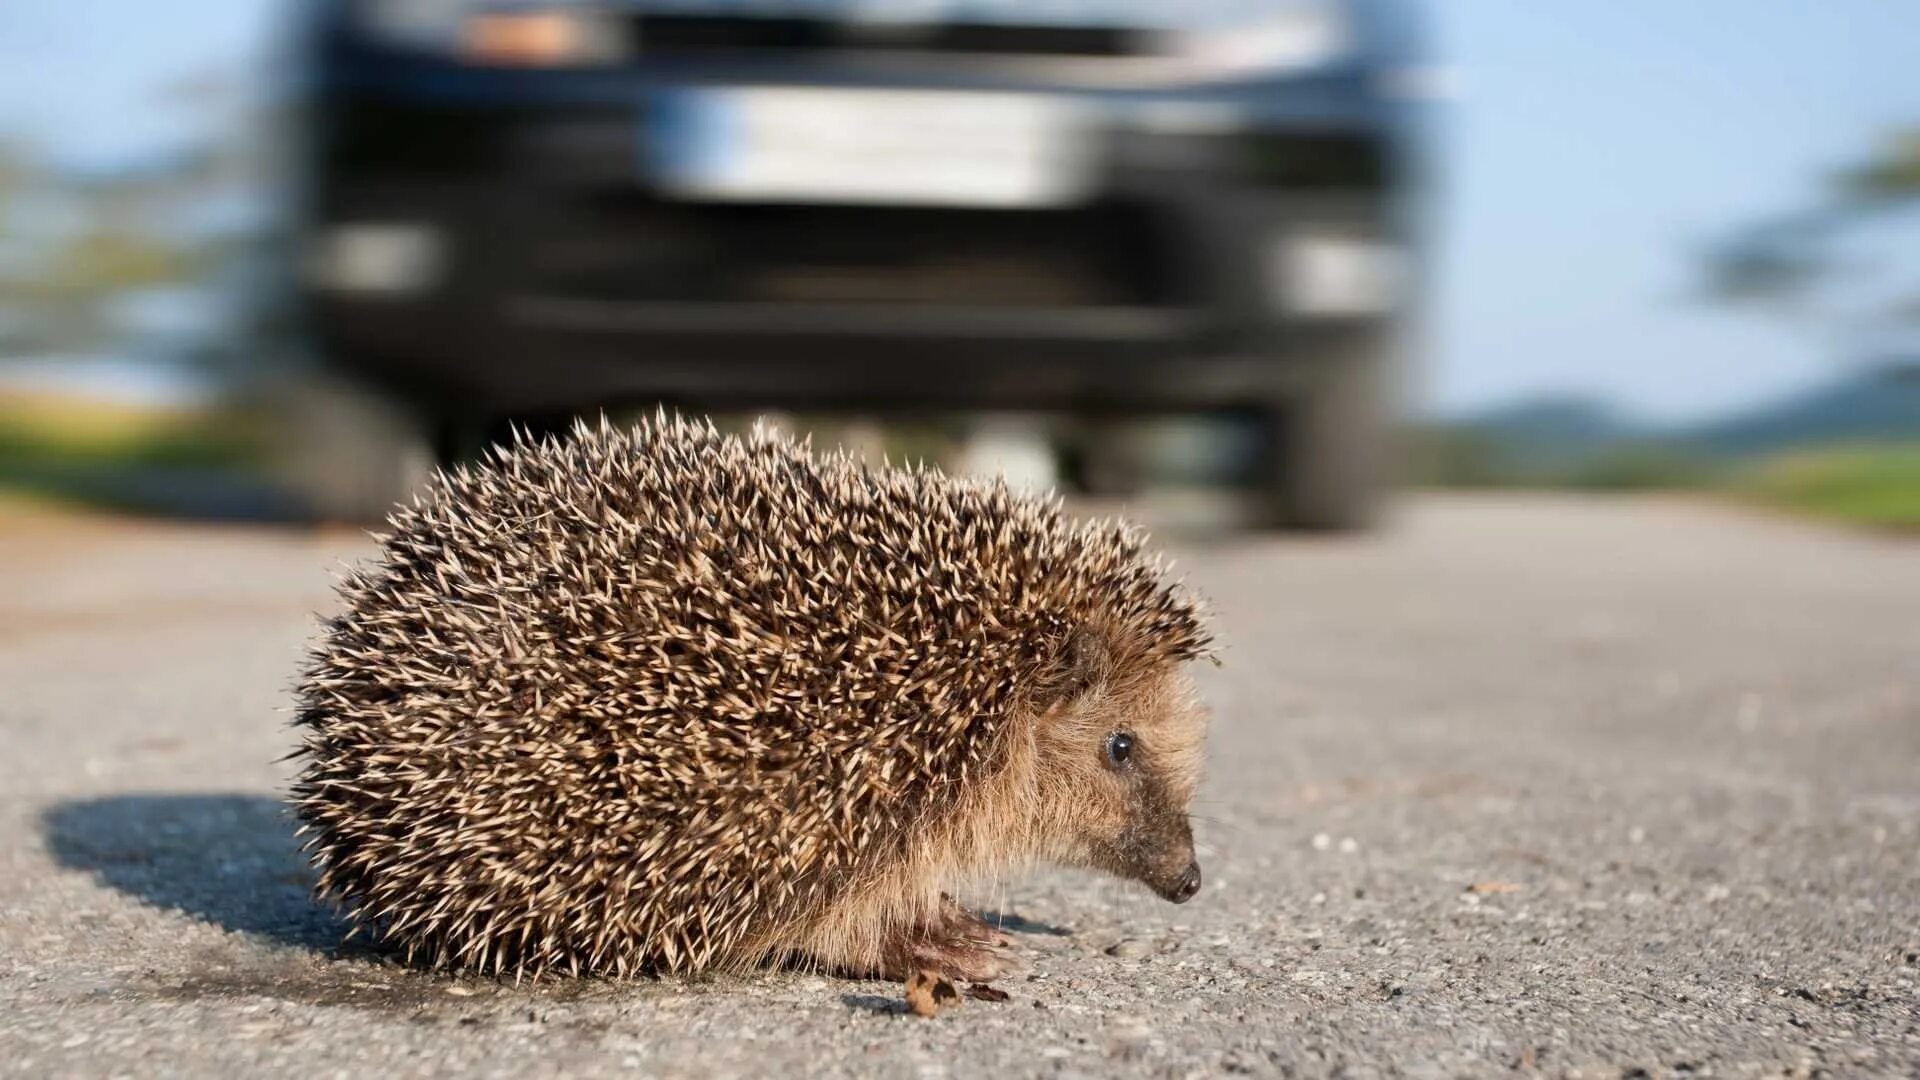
(1188, 884)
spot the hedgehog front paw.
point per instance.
(955, 943)
(960, 924)
(957, 958)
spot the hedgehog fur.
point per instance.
(664, 699)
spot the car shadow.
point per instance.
(229, 860)
(168, 492)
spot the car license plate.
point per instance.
(918, 147)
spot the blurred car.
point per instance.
(1098, 207)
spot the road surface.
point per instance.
(1530, 785)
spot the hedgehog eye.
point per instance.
(1119, 747)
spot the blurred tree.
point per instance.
(1894, 174)
(75, 245)
(1786, 260)
(9, 176)
(105, 261)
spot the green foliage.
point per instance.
(43, 429)
(1449, 456)
(1640, 468)
(1892, 173)
(1875, 485)
(1458, 457)
(59, 284)
(102, 263)
(73, 451)
(1786, 258)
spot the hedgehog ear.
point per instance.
(1084, 663)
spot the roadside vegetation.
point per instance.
(61, 449)
(1461, 456)
(1872, 484)
(69, 450)
(1875, 485)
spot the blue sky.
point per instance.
(1593, 144)
(78, 76)
(1596, 143)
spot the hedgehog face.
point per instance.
(1120, 759)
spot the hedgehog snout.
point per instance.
(1163, 860)
(1188, 884)
(1181, 887)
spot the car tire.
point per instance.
(349, 452)
(1330, 456)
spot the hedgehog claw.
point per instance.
(961, 947)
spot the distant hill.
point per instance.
(1881, 404)
(1877, 404)
(1553, 431)
(1583, 442)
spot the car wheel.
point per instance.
(1329, 462)
(349, 452)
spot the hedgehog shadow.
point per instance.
(229, 860)
(1018, 924)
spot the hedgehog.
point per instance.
(662, 699)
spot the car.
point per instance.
(1098, 208)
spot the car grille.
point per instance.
(668, 35)
(632, 248)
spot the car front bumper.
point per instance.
(514, 248)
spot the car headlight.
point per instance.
(1303, 34)
(491, 33)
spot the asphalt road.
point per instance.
(1532, 785)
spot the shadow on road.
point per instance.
(191, 494)
(230, 860)
(1016, 924)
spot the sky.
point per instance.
(1591, 148)
(79, 77)
(1595, 144)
